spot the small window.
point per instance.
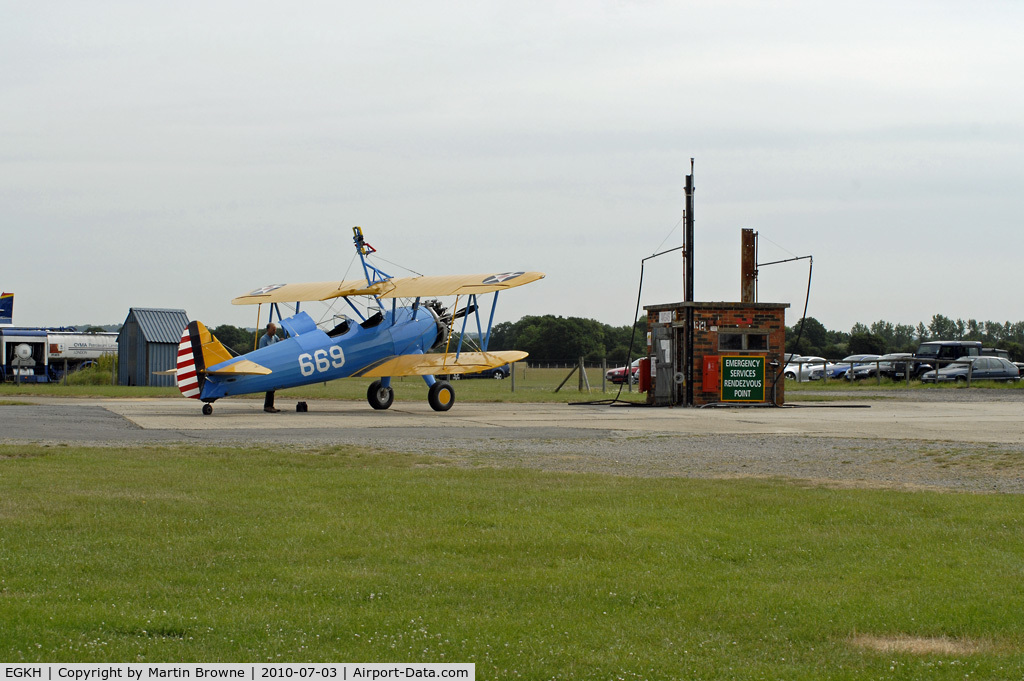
(757, 341)
(731, 341)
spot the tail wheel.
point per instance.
(207, 409)
(441, 396)
(378, 396)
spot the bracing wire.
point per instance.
(803, 319)
(632, 335)
(778, 245)
(667, 236)
(403, 267)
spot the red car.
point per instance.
(618, 375)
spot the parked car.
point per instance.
(861, 372)
(935, 350)
(494, 372)
(840, 368)
(935, 354)
(869, 368)
(981, 368)
(803, 367)
(888, 366)
(1005, 354)
(618, 374)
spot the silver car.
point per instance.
(804, 368)
(981, 369)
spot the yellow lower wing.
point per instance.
(429, 365)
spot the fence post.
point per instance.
(604, 371)
(513, 375)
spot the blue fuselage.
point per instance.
(309, 355)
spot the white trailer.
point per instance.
(80, 347)
(71, 350)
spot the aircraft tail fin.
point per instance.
(198, 349)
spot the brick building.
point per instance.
(734, 348)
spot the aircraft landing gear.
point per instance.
(380, 396)
(441, 396)
(301, 407)
(207, 409)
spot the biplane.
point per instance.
(401, 330)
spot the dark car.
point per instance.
(495, 372)
(889, 366)
(936, 354)
(981, 369)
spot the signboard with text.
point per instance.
(742, 378)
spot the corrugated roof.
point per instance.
(157, 325)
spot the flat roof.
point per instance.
(722, 305)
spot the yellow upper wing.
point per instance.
(429, 365)
(458, 284)
(406, 287)
(318, 290)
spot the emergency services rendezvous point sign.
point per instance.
(742, 378)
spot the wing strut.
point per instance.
(490, 321)
(374, 275)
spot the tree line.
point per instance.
(565, 339)
(883, 337)
(550, 338)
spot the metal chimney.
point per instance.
(748, 266)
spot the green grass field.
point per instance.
(353, 555)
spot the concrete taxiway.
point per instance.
(128, 421)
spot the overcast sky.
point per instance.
(180, 154)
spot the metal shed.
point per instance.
(148, 342)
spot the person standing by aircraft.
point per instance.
(269, 338)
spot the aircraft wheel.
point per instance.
(441, 396)
(378, 396)
(207, 409)
(301, 407)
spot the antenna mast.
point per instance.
(688, 288)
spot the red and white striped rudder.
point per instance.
(190, 362)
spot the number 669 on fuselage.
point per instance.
(414, 338)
